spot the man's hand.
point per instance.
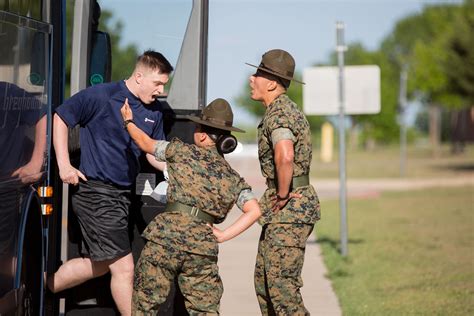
(28, 173)
(126, 111)
(278, 203)
(218, 233)
(71, 175)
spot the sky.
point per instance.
(241, 31)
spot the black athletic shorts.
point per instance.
(102, 211)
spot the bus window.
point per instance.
(23, 98)
(158, 25)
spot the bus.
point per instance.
(38, 230)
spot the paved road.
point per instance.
(367, 188)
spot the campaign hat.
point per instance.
(279, 63)
(217, 114)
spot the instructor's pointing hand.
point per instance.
(126, 111)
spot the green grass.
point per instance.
(384, 162)
(410, 253)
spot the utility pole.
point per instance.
(340, 49)
(402, 102)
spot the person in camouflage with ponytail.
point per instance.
(202, 189)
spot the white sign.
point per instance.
(321, 92)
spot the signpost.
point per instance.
(341, 90)
(340, 49)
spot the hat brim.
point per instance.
(226, 128)
(275, 73)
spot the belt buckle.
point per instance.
(194, 211)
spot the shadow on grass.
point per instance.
(340, 266)
(336, 243)
(462, 167)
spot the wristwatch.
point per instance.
(279, 198)
(126, 122)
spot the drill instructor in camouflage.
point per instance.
(285, 151)
(202, 190)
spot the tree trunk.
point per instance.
(435, 128)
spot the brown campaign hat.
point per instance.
(279, 63)
(217, 114)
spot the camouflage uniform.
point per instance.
(284, 233)
(181, 244)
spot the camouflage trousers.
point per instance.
(198, 280)
(278, 268)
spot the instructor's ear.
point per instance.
(271, 85)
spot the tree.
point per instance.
(459, 69)
(419, 41)
(459, 62)
(123, 58)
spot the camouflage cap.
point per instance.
(217, 114)
(279, 63)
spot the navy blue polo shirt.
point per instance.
(107, 151)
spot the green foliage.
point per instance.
(123, 58)
(435, 48)
(459, 63)
(244, 101)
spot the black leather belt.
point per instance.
(296, 182)
(191, 210)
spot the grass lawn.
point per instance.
(384, 162)
(410, 253)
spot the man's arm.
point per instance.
(284, 156)
(31, 172)
(143, 141)
(67, 172)
(251, 213)
(160, 165)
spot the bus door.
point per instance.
(25, 88)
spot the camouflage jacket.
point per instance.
(198, 177)
(283, 113)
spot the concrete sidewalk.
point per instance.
(236, 266)
(237, 261)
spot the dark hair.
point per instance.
(284, 82)
(155, 61)
(225, 141)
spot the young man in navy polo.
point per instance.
(109, 166)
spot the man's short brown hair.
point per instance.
(155, 61)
